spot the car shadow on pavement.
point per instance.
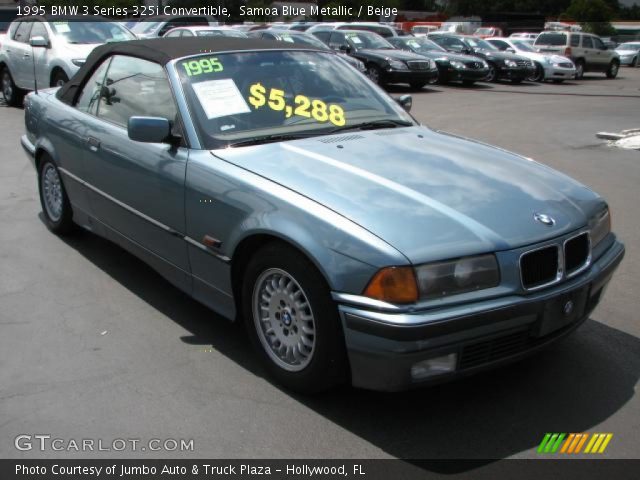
(572, 386)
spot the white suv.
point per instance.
(587, 51)
(55, 50)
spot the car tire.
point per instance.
(418, 85)
(287, 305)
(375, 74)
(579, 69)
(59, 78)
(538, 75)
(492, 76)
(56, 208)
(634, 62)
(614, 68)
(12, 94)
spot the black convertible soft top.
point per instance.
(162, 51)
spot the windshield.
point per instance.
(553, 39)
(477, 43)
(367, 40)
(146, 27)
(302, 39)
(523, 46)
(422, 44)
(484, 31)
(91, 32)
(240, 97)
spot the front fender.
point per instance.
(232, 204)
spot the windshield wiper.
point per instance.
(272, 139)
(375, 125)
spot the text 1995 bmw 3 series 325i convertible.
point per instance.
(280, 186)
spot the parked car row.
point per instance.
(37, 51)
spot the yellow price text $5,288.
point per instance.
(304, 106)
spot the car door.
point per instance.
(41, 56)
(604, 55)
(138, 188)
(20, 56)
(590, 56)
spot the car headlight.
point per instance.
(78, 62)
(599, 226)
(457, 276)
(434, 280)
(458, 65)
(397, 65)
(360, 66)
(510, 63)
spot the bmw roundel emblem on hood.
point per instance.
(544, 219)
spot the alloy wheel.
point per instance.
(7, 86)
(52, 192)
(284, 320)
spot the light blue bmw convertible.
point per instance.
(279, 186)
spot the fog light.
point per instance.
(434, 366)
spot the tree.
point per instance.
(595, 15)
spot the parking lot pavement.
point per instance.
(94, 344)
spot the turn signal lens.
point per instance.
(393, 285)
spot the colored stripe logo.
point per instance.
(574, 443)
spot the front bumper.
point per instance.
(515, 73)
(627, 59)
(29, 148)
(552, 72)
(383, 347)
(467, 74)
(410, 76)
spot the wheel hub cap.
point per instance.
(52, 192)
(283, 318)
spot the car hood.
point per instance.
(449, 56)
(542, 57)
(620, 52)
(499, 55)
(390, 54)
(430, 195)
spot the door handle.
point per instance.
(94, 144)
(26, 55)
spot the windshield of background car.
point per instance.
(524, 46)
(91, 32)
(303, 40)
(552, 39)
(146, 27)
(484, 31)
(477, 43)
(421, 44)
(367, 40)
(235, 97)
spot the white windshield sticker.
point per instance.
(62, 27)
(220, 98)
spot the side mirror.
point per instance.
(39, 41)
(467, 51)
(149, 129)
(345, 48)
(510, 50)
(405, 101)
